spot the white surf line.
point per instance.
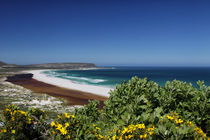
(98, 90)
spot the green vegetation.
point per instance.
(138, 109)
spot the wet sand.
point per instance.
(73, 97)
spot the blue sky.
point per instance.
(106, 32)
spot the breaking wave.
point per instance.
(77, 79)
(85, 79)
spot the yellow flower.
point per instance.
(180, 121)
(114, 137)
(68, 136)
(52, 123)
(66, 115)
(97, 128)
(66, 124)
(190, 123)
(63, 131)
(100, 136)
(169, 117)
(22, 112)
(72, 116)
(204, 135)
(200, 131)
(29, 120)
(150, 129)
(13, 131)
(130, 136)
(59, 116)
(141, 136)
(151, 133)
(145, 135)
(141, 126)
(3, 130)
(59, 126)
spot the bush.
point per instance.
(21, 125)
(137, 109)
(141, 100)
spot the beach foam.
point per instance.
(98, 90)
(86, 79)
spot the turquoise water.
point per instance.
(111, 77)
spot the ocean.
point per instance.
(113, 76)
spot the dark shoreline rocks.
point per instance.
(19, 77)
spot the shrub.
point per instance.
(77, 125)
(143, 101)
(137, 109)
(21, 125)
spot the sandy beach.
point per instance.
(98, 90)
(75, 94)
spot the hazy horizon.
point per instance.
(115, 64)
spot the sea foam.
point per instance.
(86, 79)
(75, 79)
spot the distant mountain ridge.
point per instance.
(51, 65)
(63, 65)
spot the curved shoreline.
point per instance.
(74, 97)
(68, 84)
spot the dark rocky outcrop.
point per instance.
(19, 77)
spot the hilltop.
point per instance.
(61, 65)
